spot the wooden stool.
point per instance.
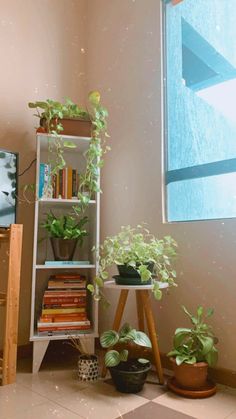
(10, 299)
(144, 309)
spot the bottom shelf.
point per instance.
(60, 336)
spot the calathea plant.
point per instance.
(126, 335)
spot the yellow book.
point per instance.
(63, 310)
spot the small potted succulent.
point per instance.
(65, 232)
(141, 258)
(194, 350)
(129, 374)
(87, 362)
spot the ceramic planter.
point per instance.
(87, 368)
(63, 249)
(190, 376)
(129, 276)
(128, 381)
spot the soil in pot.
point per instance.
(130, 376)
(63, 249)
(191, 376)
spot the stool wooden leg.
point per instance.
(140, 311)
(152, 333)
(118, 316)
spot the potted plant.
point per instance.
(194, 350)
(87, 362)
(64, 232)
(129, 374)
(92, 122)
(140, 257)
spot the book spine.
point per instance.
(61, 324)
(74, 184)
(73, 317)
(63, 310)
(41, 180)
(65, 294)
(69, 182)
(60, 175)
(64, 300)
(65, 305)
(62, 328)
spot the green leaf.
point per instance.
(112, 358)
(109, 338)
(143, 361)
(210, 312)
(99, 282)
(212, 357)
(124, 355)
(200, 312)
(90, 287)
(142, 339)
(126, 328)
(69, 144)
(207, 344)
(157, 294)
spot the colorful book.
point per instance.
(66, 262)
(41, 179)
(64, 324)
(63, 310)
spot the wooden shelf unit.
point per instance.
(10, 301)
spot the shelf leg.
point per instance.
(39, 350)
(117, 319)
(152, 333)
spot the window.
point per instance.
(200, 109)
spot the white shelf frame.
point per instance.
(40, 343)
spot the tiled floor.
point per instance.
(56, 393)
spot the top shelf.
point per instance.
(82, 143)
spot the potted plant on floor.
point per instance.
(87, 362)
(194, 350)
(129, 374)
(65, 232)
(141, 258)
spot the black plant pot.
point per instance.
(127, 271)
(63, 249)
(128, 381)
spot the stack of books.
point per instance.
(64, 185)
(64, 308)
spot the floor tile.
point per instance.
(218, 406)
(48, 410)
(52, 384)
(153, 410)
(14, 398)
(101, 401)
(232, 415)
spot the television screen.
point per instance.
(8, 187)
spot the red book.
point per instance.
(64, 300)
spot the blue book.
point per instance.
(41, 179)
(66, 262)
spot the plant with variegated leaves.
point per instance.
(196, 344)
(126, 335)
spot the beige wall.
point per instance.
(124, 63)
(41, 58)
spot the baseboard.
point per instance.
(218, 374)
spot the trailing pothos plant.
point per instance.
(51, 113)
(138, 248)
(126, 335)
(195, 344)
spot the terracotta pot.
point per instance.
(76, 127)
(191, 376)
(72, 126)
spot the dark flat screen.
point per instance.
(8, 187)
